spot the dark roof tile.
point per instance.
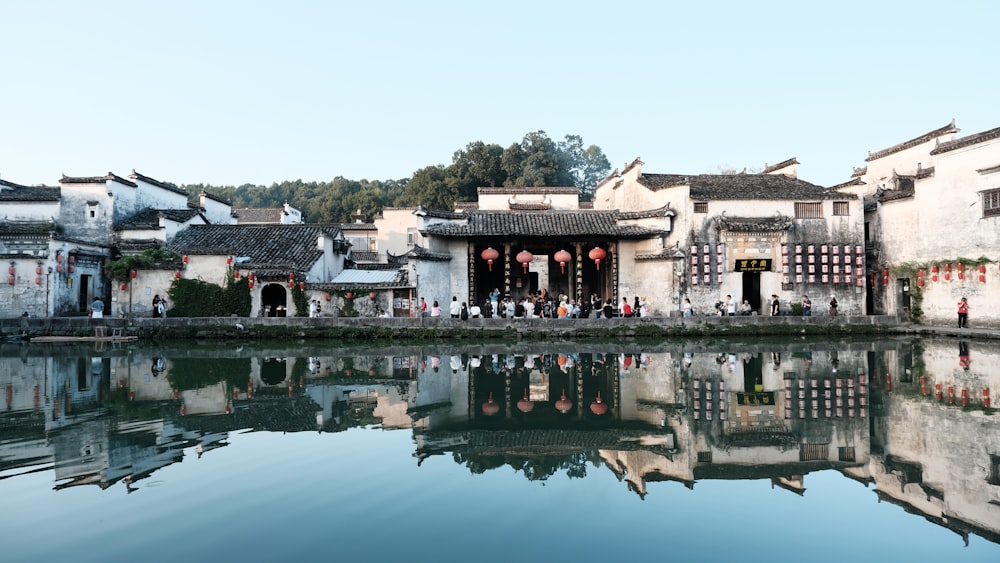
(154, 182)
(946, 130)
(575, 223)
(265, 246)
(10, 191)
(740, 186)
(967, 141)
(150, 218)
(111, 177)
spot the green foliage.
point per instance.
(300, 302)
(796, 309)
(536, 160)
(195, 373)
(196, 298)
(151, 257)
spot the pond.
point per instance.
(693, 450)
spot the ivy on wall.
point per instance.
(196, 298)
(122, 268)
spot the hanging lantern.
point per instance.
(236, 275)
(177, 275)
(598, 407)
(934, 273)
(490, 407)
(564, 405)
(961, 271)
(371, 295)
(490, 254)
(38, 280)
(11, 270)
(302, 286)
(184, 259)
(124, 286)
(250, 276)
(229, 260)
(525, 405)
(563, 258)
(920, 278)
(524, 258)
(59, 256)
(135, 274)
(982, 273)
(250, 283)
(885, 277)
(947, 272)
(59, 268)
(11, 280)
(349, 295)
(38, 269)
(71, 268)
(327, 296)
(72, 259)
(597, 254)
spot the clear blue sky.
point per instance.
(227, 92)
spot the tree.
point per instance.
(584, 167)
(428, 188)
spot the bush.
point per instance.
(196, 298)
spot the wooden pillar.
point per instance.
(506, 270)
(577, 288)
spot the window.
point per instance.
(411, 236)
(808, 210)
(840, 208)
(846, 453)
(991, 203)
(701, 207)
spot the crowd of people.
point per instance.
(540, 304)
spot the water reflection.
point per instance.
(904, 417)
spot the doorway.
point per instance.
(85, 297)
(751, 290)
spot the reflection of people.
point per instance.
(963, 355)
(963, 313)
(97, 308)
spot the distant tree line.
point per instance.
(535, 161)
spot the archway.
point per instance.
(274, 300)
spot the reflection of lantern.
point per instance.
(598, 407)
(371, 295)
(59, 257)
(525, 404)
(72, 259)
(524, 258)
(72, 268)
(327, 296)
(564, 405)
(490, 254)
(38, 269)
(38, 280)
(59, 268)
(563, 258)
(11, 280)
(349, 295)
(597, 254)
(490, 407)
(11, 269)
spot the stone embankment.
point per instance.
(431, 328)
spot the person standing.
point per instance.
(423, 307)
(807, 306)
(963, 313)
(156, 305)
(730, 306)
(833, 305)
(97, 309)
(626, 308)
(495, 297)
(686, 310)
(456, 308)
(436, 309)
(775, 306)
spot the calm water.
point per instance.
(759, 450)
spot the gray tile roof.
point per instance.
(420, 253)
(754, 224)
(150, 218)
(154, 182)
(533, 190)
(741, 186)
(967, 140)
(370, 278)
(21, 228)
(265, 246)
(97, 180)
(545, 224)
(10, 191)
(946, 130)
(780, 165)
(249, 215)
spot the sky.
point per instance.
(247, 92)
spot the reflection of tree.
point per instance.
(534, 468)
(195, 373)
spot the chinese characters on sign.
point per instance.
(753, 265)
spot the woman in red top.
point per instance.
(626, 308)
(963, 313)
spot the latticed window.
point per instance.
(840, 208)
(808, 210)
(701, 207)
(991, 203)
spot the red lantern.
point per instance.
(229, 260)
(490, 254)
(11, 269)
(564, 405)
(124, 286)
(563, 258)
(598, 407)
(986, 397)
(371, 295)
(327, 296)
(38, 280)
(961, 271)
(251, 276)
(59, 257)
(177, 275)
(72, 259)
(982, 273)
(302, 286)
(135, 274)
(885, 277)
(250, 283)
(38, 269)
(947, 272)
(11, 280)
(72, 268)
(184, 259)
(524, 258)
(934, 273)
(490, 407)
(920, 278)
(349, 295)
(597, 254)
(236, 275)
